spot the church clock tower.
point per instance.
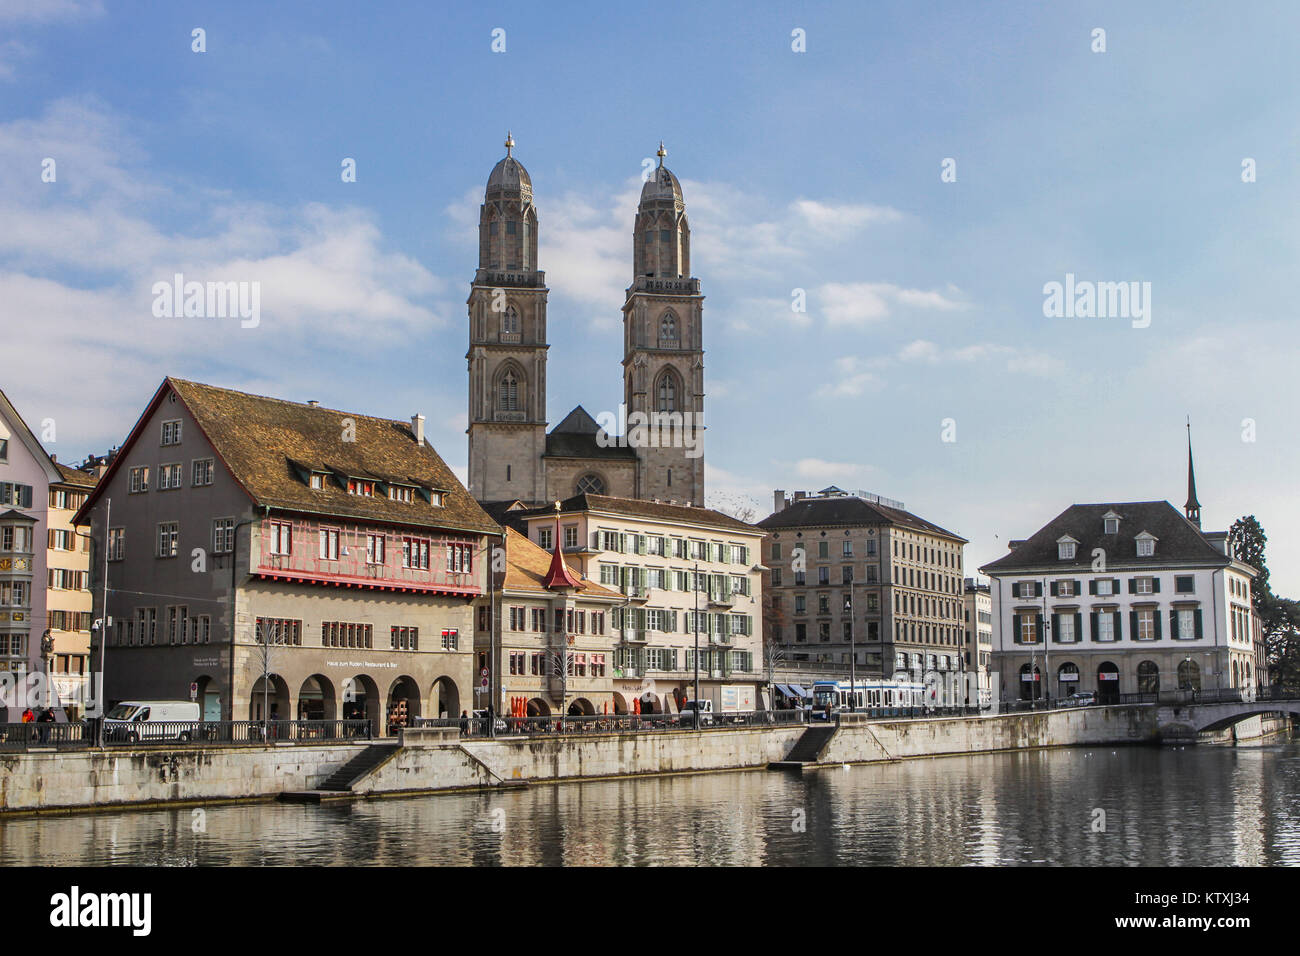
(507, 343)
(663, 363)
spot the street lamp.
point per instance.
(853, 657)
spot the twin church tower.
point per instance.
(511, 454)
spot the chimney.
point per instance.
(778, 500)
(54, 458)
(313, 403)
(417, 428)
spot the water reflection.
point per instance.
(1197, 806)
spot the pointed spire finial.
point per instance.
(1193, 507)
(662, 152)
(510, 143)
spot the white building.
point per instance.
(1122, 598)
(978, 617)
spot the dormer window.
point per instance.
(1065, 548)
(1146, 545)
(438, 499)
(356, 486)
(1111, 522)
(401, 493)
(317, 481)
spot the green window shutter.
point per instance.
(1038, 589)
(1092, 624)
(1092, 589)
(1198, 623)
(1114, 585)
(1133, 625)
(1173, 625)
(1077, 588)
(1119, 630)
(1155, 585)
(1078, 627)
(1038, 628)
(1056, 626)
(1155, 621)
(1132, 586)
(1051, 588)
(1015, 629)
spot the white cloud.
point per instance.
(861, 303)
(49, 11)
(818, 470)
(855, 378)
(835, 219)
(1013, 359)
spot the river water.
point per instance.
(1207, 805)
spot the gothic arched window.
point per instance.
(591, 485)
(508, 392)
(668, 326)
(666, 393)
(510, 320)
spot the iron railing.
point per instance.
(38, 735)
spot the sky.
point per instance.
(917, 174)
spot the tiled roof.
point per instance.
(637, 508)
(74, 476)
(262, 439)
(577, 437)
(850, 511)
(527, 566)
(1178, 541)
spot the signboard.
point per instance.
(483, 672)
(1027, 678)
(483, 682)
(194, 691)
(1104, 676)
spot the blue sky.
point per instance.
(817, 171)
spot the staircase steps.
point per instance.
(346, 777)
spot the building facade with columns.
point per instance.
(263, 553)
(654, 448)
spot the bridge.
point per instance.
(1182, 715)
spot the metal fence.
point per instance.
(37, 735)
(613, 723)
(71, 736)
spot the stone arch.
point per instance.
(403, 691)
(271, 693)
(537, 707)
(581, 707)
(620, 703)
(208, 696)
(361, 700)
(1189, 675)
(668, 395)
(316, 699)
(1107, 683)
(1030, 689)
(444, 698)
(1067, 678)
(1148, 677)
(510, 388)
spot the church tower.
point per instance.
(663, 346)
(507, 343)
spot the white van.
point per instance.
(705, 709)
(134, 720)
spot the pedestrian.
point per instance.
(28, 716)
(464, 721)
(47, 717)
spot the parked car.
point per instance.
(1082, 699)
(137, 720)
(705, 709)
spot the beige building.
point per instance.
(681, 571)
(333, 552)
(857, 569)
(544, 637)
(652, 446)
(68, 599)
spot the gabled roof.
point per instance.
(269, 446)
(849, 511)
(578, 436)
(637, 508)
(527, 566)
(1180, 541)
(75, 476)
(25, 436)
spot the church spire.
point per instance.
(1193, 507)
(559, 575)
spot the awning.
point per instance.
(784, 690)
(798, 691)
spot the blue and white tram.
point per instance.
(868, 694)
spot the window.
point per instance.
(546, 539)
(510, 320)
(415, 553)
(61, 541)
(1065, 550)
(508, 393)
(405, 638)
(1104, 588)
(223, 535)
(281, 537)
(450, 639)
(1146, 547)
(460, 558)
(1105, 626)
(1146, 625)
(329, 544)
(317, 480)
(590, 485)
(1065, 589)
(4, 449)
(401, 493)
(177, 624)
(375, 549)
(667, 392)
(343, 634)
(668, 326)
(169, 533)
(171, 432)
(1028, 626)
(361, 487)
(116, 544)
(202, 629)
(1184, 584)
(1144, 585)
(1111, 525)
(1186, 619)
(1065, 629)
(169, 476)
(571, 536)
(201, 472)
(138, 480)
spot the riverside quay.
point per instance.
(341, 546)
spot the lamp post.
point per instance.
(695, 586)
(853, 657)
(47, 651)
